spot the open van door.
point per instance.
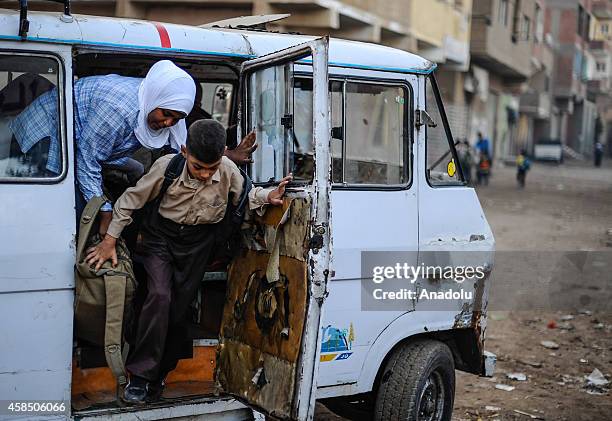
(269, 339)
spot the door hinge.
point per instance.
(287, 121)
(316, 241)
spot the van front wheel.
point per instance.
(417, 384)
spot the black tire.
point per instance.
(417, 384)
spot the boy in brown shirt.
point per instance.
(177, 236)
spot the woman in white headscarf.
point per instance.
(114, 116)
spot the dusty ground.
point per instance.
(565, 208)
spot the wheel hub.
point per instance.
(431, 403)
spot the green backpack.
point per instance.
(103, 298)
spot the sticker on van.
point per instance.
(336, 344)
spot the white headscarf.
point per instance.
(169, 87)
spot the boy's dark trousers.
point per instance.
(174, 257)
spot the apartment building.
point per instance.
(600, 84)
(569, 22)
(536, 106)
(502, 43)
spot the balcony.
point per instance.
(494, 46)
(536, 104)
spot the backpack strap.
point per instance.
(88, 217)
(240, 209)
(173, 170)
(115, 286)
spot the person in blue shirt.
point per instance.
(483, 145)
(113, 117)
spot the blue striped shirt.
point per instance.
(105, 116)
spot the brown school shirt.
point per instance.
(187, 201)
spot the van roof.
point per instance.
(138, 34)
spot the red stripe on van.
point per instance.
(163, 35)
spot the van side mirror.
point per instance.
(422, 118)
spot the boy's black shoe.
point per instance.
(155, 391)
(135, 392)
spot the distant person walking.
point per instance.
(598, 153)
(483, 145)
(466, 159)
(523, 164)
(484, 169)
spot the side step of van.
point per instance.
(209, 408)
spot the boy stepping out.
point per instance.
(178, 234)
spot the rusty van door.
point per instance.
(268, 344)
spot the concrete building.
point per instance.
(502, 44)
(569, 22)
(600, 84)
(536, 101)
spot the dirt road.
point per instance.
(563, 208)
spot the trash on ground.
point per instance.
(550, 344)
(535, 364)
(599, 326)
(583, 361)
(527, 414)
(596, 378)
(519, 377)
(567, 317)
(551, 324)
(566, 326)
(505, 387)
(492, 408)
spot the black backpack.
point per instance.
(227, 233)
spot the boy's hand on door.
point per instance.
(275, 197)
(102, 252)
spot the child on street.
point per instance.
(522, 166)
(484, 169)
(178, 233)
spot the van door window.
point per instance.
(30, 137)
(442, 163)
(302, 141)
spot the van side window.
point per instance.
(30, 139)
(375, 150)
(368, 131)
(442, 167)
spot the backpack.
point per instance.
(103, 298)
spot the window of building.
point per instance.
(605, 28)
(30, 134)
(584, 23)
(601, 66)
(369, 137)
(502, 12)
(525, 28)
(539, 24)
(442, 164)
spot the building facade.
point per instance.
(518, 71)
(600, 84)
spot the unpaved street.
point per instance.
(563, 208)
